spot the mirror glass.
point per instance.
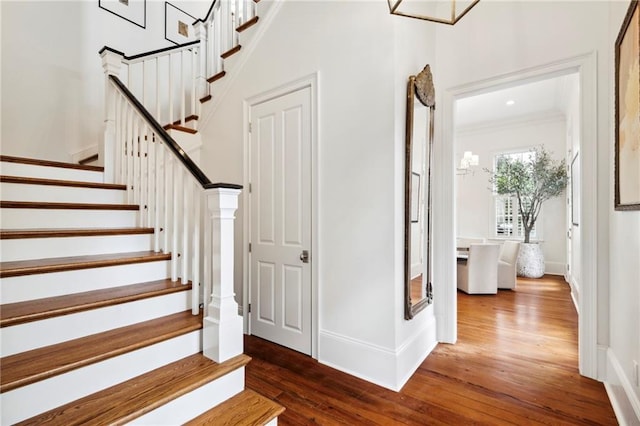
(419, 137)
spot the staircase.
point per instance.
(92, 326)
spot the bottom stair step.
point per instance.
(248, 408)
(129, 400)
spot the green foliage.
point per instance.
(532, 181)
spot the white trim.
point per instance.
(311, 81)
(591, 264)
(624, 401)
(514, 123)
(86, 152)
(378, 364)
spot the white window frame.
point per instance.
(517, 232)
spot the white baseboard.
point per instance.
(383, 366)
(369, 362)
(554, 268)
(624, 400)
(415, 350)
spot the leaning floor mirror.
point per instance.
(418, 216)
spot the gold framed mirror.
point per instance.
(418, 216)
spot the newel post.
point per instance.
(222, 337)
(201, 77)
(111, 63)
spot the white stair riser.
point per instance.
(38, 286)
(191, 405)
(46, 172)
(32, 335)
(65, 218)
(61, 194)
(43, 248)
(27, 401)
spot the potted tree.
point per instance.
(532, 181)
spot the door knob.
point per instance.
(304, 256)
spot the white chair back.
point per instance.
(510, 251)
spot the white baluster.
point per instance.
(159, 195)
(177, 192)
(185, 226)
(135, 155)
(168, 186)
(194, 77)
(222, 336)
(170, 89)
(129, 150)
(118, 138)
(182, 89)
(195, 268)
(158, 98)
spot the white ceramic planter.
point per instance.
(530, 261)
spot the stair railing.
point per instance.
(172, 192)
(170, 82)
(163, 80)
(217, 34)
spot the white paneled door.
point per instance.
(281, 220)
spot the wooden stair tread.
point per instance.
(38, 364)
(47, 163)
(217, 76)
(192, 117)
(65, 206)
(59, 264)
(56, 182)
(247, 24)
(231, 51)
(180, 128)
(13, 234)
(34, 310)
(205, 99)
(129, 400)
(247, 408)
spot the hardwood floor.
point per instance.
(515, 362)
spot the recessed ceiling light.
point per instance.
(510, 102)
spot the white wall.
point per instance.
(52, 73)
(624, 274)
(474, 197)
(501, 38)
(352, 46)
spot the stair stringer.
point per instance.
(249, 41)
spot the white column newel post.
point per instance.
(111, 63)
(222, 337)
(201, 79)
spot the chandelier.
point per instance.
(442, 11)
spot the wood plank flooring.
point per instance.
(515, 362)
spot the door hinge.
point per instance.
(249, 308)
(249, 247)
(250, 188)
(250, 128)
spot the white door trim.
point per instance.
(311, 81)
(594, 244)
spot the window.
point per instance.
(507, 221)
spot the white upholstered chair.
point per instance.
(507, 265)
(479, 274)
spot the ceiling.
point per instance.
(539, 98)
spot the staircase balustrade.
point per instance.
(170, 82)
(192, 217)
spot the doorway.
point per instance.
(590, 355)
(280, 225)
